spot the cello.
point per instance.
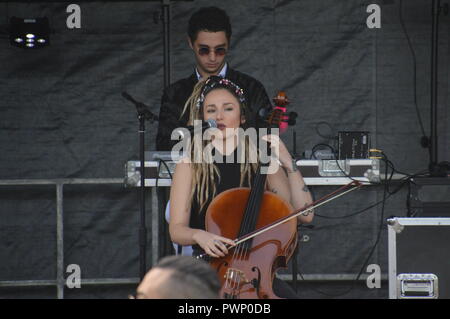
(248, 270)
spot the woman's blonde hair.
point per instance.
(205, 172)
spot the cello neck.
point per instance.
(250, 217)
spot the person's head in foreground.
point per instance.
(179, 277)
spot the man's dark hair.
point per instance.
(210, 19)
(190, 279)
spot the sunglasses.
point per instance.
(218, 51)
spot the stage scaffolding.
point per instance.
(60, 281)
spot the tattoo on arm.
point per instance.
(306, 189)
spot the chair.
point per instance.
(179, 249)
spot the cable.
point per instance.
(159, 169)
(386, 195)
(385, 192)
(387, 181)
(161, 161)
(350, 215)
(167, 167)
(335, 159)
(354, 281)
(419, 116)
(327, 137)
(404, 180)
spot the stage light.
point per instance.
(29, 33)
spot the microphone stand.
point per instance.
(143, 114)
(142, 228)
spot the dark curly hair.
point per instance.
(210, 19)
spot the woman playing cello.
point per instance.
(196, 183)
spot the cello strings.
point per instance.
(252, 213)
(240, 251)
(237, 255)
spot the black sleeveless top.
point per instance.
(230, 177)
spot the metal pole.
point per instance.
(155, 225)
(142, 227)
(434, 81)
(60, 282)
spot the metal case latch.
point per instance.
(417, 286)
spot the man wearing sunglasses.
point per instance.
(209, 34)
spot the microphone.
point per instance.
(264, 111)
(142, 109)
(210, 123)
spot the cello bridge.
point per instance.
(236, 275)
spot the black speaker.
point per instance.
(353, 145)
(429, 197)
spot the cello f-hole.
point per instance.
(256, 282)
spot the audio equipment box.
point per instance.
(419, 258)
(315, 172)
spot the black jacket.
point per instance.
(176, 95)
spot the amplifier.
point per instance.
(429, 197)
(353, 145)
(315, 172)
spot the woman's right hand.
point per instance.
(213, 245)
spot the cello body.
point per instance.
(248, 272)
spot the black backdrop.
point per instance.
(62, 116)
